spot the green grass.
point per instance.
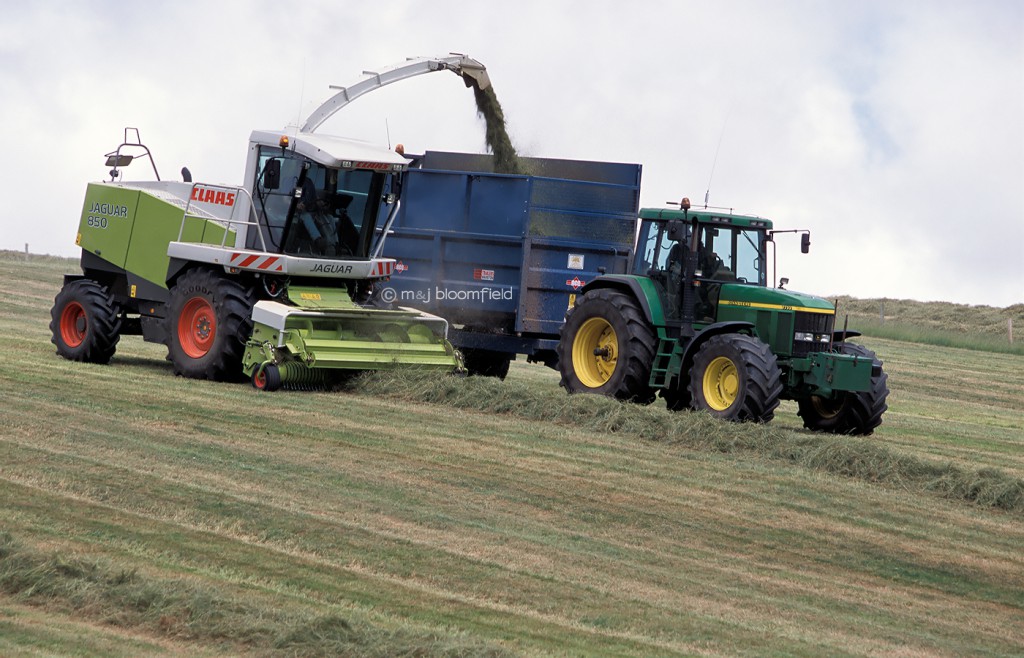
(468, 517)
(982, 328)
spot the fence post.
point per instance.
(881, 312)
(1009, 329)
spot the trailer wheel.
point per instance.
(736, 377)
(85, 322)
(850, 412)
(607, 347)
(486, 363)
(267, 378)
(209, 320)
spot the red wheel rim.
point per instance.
(197, 327)
(259, 380)
(73, 324)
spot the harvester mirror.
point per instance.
(115, 160)
(272, 174)
(805, 243)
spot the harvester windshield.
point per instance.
(307, 209)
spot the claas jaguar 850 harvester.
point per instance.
(272, 280)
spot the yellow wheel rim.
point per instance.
(594, 352)
(826, 409)
(721, 384)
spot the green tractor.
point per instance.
(696, 323)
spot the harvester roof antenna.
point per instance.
(471, 71)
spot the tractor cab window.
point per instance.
(318, 211)
(731, 255)
(661, 260)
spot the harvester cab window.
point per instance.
(330, 209)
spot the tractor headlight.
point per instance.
(800, 335)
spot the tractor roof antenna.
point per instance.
(707, 194)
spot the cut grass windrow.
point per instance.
(862, 458)
(102, 592)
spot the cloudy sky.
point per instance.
(894, 131)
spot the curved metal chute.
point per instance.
(472, 71)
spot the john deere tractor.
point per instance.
(696, 323)
(272, 280)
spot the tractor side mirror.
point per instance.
(805, 243)
(676, 230)
(272, 174)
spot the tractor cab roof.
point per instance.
(334, 152)
(706, 216)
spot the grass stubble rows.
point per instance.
(424, 516)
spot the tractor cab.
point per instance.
(729, 249)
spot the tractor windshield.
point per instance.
(315, 210)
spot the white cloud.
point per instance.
(895, 132)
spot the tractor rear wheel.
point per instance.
(736, 377)
(607, 347)
(209, 320)
(85, 322)
(850, 412)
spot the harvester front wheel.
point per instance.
(850, 412)
(736, 377)
(209, 320)
(607, 347)
(85, 322)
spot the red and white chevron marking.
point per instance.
(257, 262)
(382, 268)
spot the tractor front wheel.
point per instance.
(736, 377)
(209, 320)
(849, 412)
(85, 322)
(607, 347)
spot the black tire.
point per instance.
(736, 377)
(614, 323)
(209, 320)
(851, 412)
(486, 363)
(677, 399)
(267, 379)
(85, 322)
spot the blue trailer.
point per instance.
(501, 256)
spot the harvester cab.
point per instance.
(696, 322)
(272, 279)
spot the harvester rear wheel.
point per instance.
(85, 322)
(607, 347)
(209, 320)
(850, 412)
(736, 377)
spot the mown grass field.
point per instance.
(144, 514)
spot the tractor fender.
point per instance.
(708, 332)
(635, 287)
(839, 336)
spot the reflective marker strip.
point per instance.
(779, 307)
